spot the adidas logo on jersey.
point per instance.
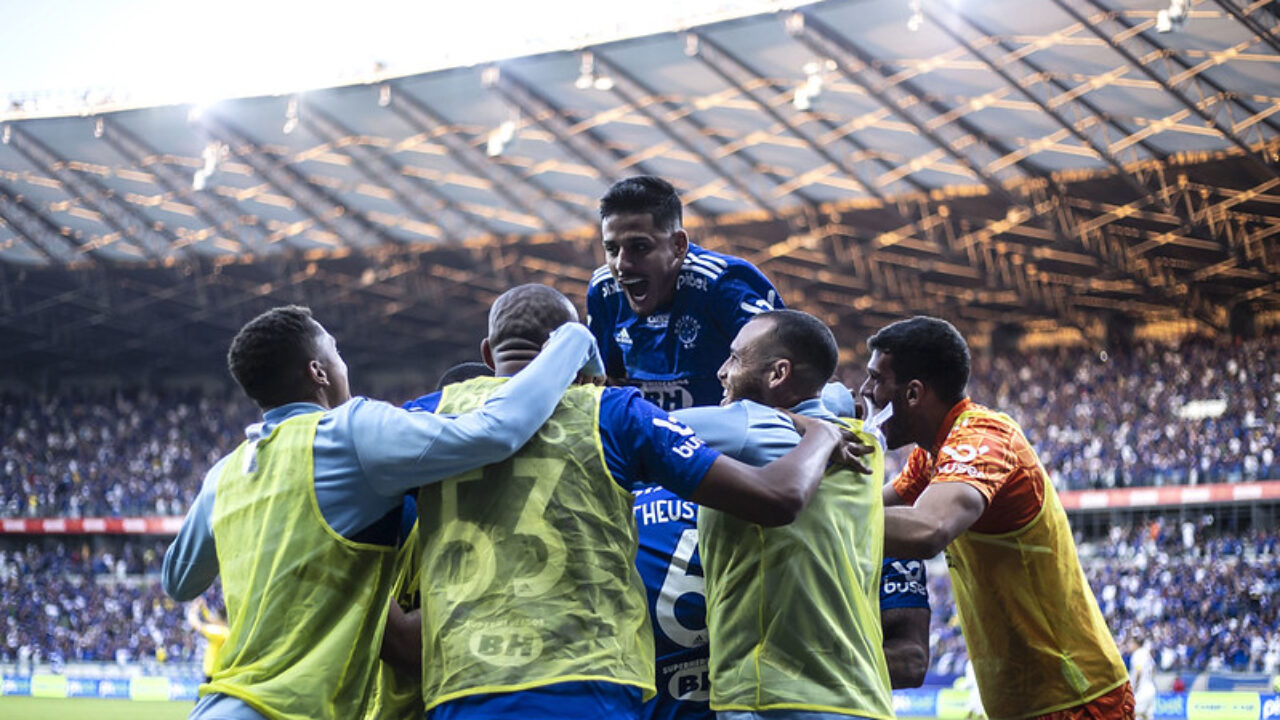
(622, 337)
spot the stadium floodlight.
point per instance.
(499, 138)
(811, 88)
(384, 95)
(917, 15)
(98, 129)
(290, 117)
(4, 135)
(586, 72)
(1173, 17)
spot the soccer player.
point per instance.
(793, 612)
(974, 487)
(531, 603)
(397, 691)
(301, 519)
(1142, 673)
(662, 309)
(212, 626)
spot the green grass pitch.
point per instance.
(28, 708)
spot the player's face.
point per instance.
(745, 375)
(645, 260)
(881, 389)
(335, 368)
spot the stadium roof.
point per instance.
(1002, 163)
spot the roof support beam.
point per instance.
(35, 228)
(1248, 18)
(124, 220)
(409, 194)
(901, 98)
(524, 193)
(642, 98)
(213, 208)
(725, 64)
(348, 225)
(1057, 117)
(1147, 69)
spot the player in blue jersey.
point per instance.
(662, 309)
(639, 441)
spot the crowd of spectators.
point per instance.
(67, 603)
(1205, 599)
(1097, 420)
(1103, 420)
(134, 454)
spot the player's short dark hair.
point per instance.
(644, 194)
(463, 372)
(526, 315)
(269, 356)
(928, 349)
(807, 342)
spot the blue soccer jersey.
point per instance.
(673, 355)
(903, 584)
(672, 572)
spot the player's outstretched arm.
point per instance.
(906, 645)
(775, 494)
(940, 514)
(400, 450)
(191, 561)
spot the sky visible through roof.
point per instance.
(153, 52)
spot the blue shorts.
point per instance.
(561, 701)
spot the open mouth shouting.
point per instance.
(637, 290)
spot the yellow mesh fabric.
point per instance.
(794, 612)
(305, 606)
(531, 564)
(397, 695)
(1032, 626)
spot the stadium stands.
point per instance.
(113, 455)
(1205, 599)
(62, 603)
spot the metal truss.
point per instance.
(130, 225)
(43, 234)
(411, 194)
(524, 193)
(346, 224)
(219, 212)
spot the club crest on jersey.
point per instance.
(687, 331)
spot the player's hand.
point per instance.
(592, 369)
(849, 447)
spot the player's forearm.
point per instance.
(402, 640)
(913, 535)
(908, 663)
(511, 416)
(796, 475)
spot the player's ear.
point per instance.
(780, 372)
(486, 353)
(317, 374)
(915, 392)
(680, 241)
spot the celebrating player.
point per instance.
(301, 519)
(662, 309)
(974, 487)
(531, 603)
(793, 612)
